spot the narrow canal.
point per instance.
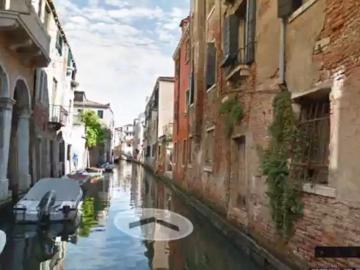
(98, 244)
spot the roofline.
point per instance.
(184, 35)
(165, 79)
(160, 79)
(78, 104)
(59, 25)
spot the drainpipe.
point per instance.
(282, 66)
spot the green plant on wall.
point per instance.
(283, 189)
(233, 114)
(95, 133)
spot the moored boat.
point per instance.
(50, 200)
(2, 241)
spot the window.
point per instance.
(175, 152)
(148, 151)
(313, 163)
(287, 7)
(192, 88)
(177, 67)
(59, 42)
(187, 100)
(239, 181)
(239, 35)
(40, 8)
(47, 16)
(54, 93)
(100, 113)
(184, 152)
(188, 51)
(68, 156)
(190, 150)
(211, 65)
(153, 150)
(209, 154)
(2, 4)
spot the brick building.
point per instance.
(183, 98)
(249, 51)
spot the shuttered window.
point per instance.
(211, 65)
(239, 35)
(192, 88)
(231, 39)
(59, 42)
(250, 31)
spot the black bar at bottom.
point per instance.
(337, 252)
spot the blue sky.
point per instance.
(121, 47)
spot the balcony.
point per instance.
(57, 116)
(24, 32)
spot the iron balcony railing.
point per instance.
(58, 114)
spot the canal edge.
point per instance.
(246, 243)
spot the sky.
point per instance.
(121, 47)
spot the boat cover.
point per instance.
(2, 241)
(66, 189)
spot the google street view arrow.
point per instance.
(153, 224)
(154, 220)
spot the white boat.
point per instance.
(50, 200)
(2, 241)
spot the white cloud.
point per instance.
(121, 49)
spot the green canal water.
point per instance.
(97, 244)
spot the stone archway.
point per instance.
(6, 104)
(18, 167)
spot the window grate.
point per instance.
(312, 165)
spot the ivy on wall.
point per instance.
(95, 132)
(283, 190)
(233, 112)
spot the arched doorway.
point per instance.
(6, 104)
(18, 168)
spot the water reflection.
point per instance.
(101, 246)
(31, 248)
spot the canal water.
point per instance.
(98, 244)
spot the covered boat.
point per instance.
(2, 241)
(50, 199)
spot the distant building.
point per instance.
(53, 102)
(138, 143)
(99, 154)
(159, 114)
(183, 99)
(124, 137)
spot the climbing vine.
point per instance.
(95, 132)
(283, 189)
(233, 114)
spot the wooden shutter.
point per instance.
(250, 31)
(211, 65)
(231, 39)
(192, 88)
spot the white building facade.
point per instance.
(159, 114)
(24, 46)
(99, 154)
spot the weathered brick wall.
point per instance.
(327, 35)
(181, 124)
